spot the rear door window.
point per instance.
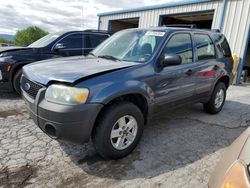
(204, 47)
(92, 41)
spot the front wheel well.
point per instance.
(139, 100)
(17, 68)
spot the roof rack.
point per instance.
(191, 26)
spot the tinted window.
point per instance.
(73, 41)
(180, 44)
(205, 47)
(223, 46)
(92, 41)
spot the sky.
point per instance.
(60, 15)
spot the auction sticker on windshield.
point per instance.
(155, 33)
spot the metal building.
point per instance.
(232, 17)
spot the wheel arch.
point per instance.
(137, 99)
(17, 67)
(225, 79)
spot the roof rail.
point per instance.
(216, 30)
(191, 26)
(96, 30)
(213, 30)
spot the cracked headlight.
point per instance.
(66, 95)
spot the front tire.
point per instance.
(16, 81)
(217, 100)
(118, 130)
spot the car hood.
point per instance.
(12, 48)
(71, 69)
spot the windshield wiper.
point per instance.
(109, 57)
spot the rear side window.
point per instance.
(92, 41)
(73, 41)
(223, 46)
(180, 44)
(205, 47)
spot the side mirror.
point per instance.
(170, 59)
(59, 46)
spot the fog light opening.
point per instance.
(50, 130)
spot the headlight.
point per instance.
(236, 176)
(5, 59)
(2, 54)
(66, 95)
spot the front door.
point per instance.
(175, 84)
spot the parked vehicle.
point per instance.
(5, 45)
(233, 168)
(51, 46)
(109, 95)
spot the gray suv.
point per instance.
(110, 94)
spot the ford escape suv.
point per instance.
(109, 95)
(51, 46)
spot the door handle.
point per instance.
(189, 72)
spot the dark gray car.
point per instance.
(110, 94)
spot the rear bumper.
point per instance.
(66, 123)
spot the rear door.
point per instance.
(176, 84)
(207, 64)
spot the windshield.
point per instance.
(137, 46)
(46, 40)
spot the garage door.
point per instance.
(117, 25)
(202, 20)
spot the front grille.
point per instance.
(31, 88)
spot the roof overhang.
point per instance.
(166, 5)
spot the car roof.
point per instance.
(60, 33)
(86, 31)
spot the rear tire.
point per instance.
(16, 81)
(217, 100)
(118, 130)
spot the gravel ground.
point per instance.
(178, 149)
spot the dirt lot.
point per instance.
(178, 149)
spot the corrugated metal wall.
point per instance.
(235, 27)
(150, 18)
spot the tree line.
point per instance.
(26, 36)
